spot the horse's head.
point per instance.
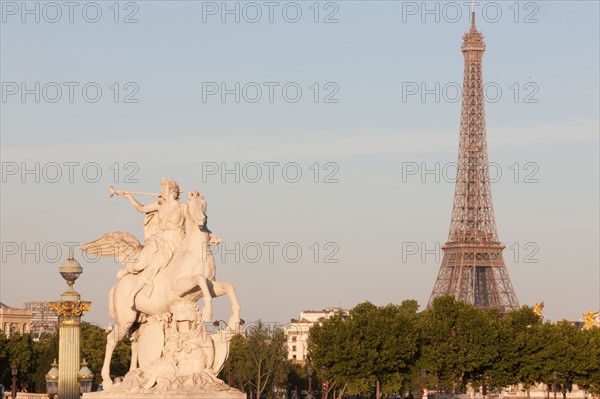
(196, 209)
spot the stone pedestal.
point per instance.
(542, 391)
(179, 394)
(180, 360)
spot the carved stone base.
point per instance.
(179, 394)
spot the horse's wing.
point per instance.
(118, 244)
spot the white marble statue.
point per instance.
(174, 264)
(190, 358)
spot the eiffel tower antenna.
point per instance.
(473, 268)
(473, 28)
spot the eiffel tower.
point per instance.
(473, 268)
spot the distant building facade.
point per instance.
(297, 330)
(43, 319)
(14, 320)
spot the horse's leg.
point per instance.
(124, 318)
(221, 288)
(111, 343)
(134, 355)
(135, 336)
(207, 309)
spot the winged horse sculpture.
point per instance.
(189, 275)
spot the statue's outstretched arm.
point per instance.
(140, 207)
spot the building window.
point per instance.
(294, 338)
(294, 357)
(294, 348)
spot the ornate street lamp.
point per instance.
(85, 378)
(309, 371)
(554, 383)
(52, 380)
(69, 309)
(14, 370)
(484, 387)
(423, 376)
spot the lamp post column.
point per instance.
(324, 383)
(69, 309)
(423, 387)
(14, 370)
(309, 372)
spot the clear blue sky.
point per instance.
(372, 133)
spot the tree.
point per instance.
(296, 377)
(375, 346)
(45, 351)
(259, 360)
(590, 353)
(19, 350)
(330, 346)
(240, 369)
(93, 344)
(386, 339)
(564, 353)
(4, 361)
(34, 359)
(535, 366)
(459, 342)
(515, 330)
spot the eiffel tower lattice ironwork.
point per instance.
(473, 268)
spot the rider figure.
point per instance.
(164, 231)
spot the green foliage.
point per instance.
(376, 346)
(380, 350)
(259, 360)
(35, 358)
(241, 368)
(4, 361)
(460, 341)
(529, 355)
(330, 345)
(93, 344)
(45, 351)
(121, 359)
(20, 351)
(565, 354)
(453, 344)
(589, 375)
(296, 379)
(514, 331)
